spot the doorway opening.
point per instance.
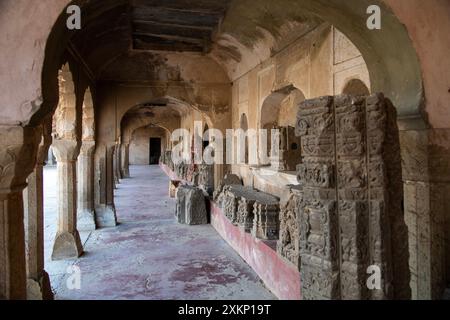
(155, 150)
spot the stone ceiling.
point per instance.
(117, 35)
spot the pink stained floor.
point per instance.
(149, 255)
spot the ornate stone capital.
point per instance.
(87, 148)
(18, 150)
(66, 150)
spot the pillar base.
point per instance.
(86, 221)
(67, 246)
(41, 289)
(106, 216)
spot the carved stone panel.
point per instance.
(266, 220)
(351, 200)
(288, 245)
(191, 207)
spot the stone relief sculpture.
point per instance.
(252, 210)
(191, 206)
(229, 179)
(266, 219)
(346, 214)
(288, 245)
(245, 216)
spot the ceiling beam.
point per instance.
(179, 47)
(198, 41)
(173, 25)
(210, 12)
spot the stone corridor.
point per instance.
(149, 255)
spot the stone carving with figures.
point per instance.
(288, 245)
(347, 216)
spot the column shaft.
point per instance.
(86, 215)
(105, 210)
(38, 281)
(18, 149)
(125, 164)
(67, 242)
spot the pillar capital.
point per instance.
(87, 147)
(66, 150)
(18, 149)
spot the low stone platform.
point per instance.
(278, 275)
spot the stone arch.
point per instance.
(173, 102)
(356, 87)
(380, 49)
(280, 107)
(388, 65)
(139, 143)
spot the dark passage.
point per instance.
(155, 150)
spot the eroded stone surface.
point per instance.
(288, 245)
(255, 211)
(191, 206)
(350, 212)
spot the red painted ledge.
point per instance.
(279, 276)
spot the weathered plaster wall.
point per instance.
(140, 144)
(428, 25)
(319, 63)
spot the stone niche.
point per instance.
(347, 211)
(285, 152)
(191, 206)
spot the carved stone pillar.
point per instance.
(125, 160)
(38, 281)
(67, 242)
(350, 215)
(105, 212)
(18, 149)
(86, 214)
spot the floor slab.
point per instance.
(149, 255)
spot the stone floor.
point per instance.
(149, 255)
